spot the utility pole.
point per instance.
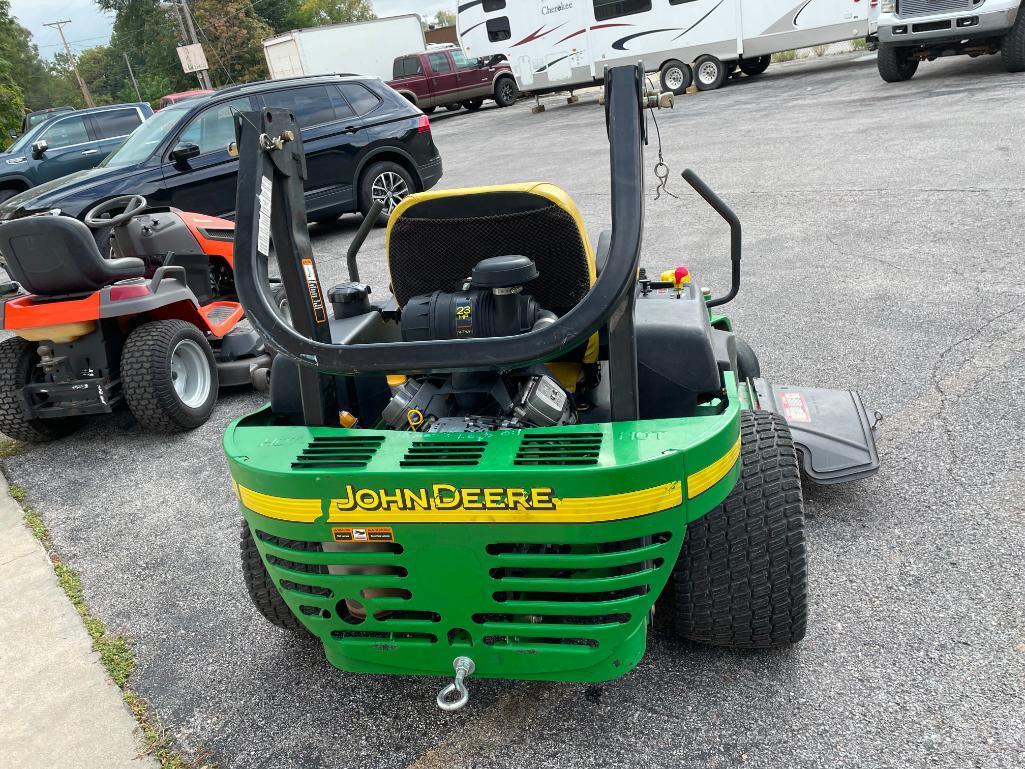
(135, 83)
(204, 76)
(71, 58)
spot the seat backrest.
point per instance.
(436, 238)
(57, 255)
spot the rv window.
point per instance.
(613, 9)
(498, 29)
(439, 63)
(493, 5)
(407, 66)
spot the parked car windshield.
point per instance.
(141, 143)
(21, 145)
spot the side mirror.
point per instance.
(39, 149)
(185, 152)
(13, 134)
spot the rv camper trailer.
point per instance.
(556, 45)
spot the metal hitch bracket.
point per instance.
(463, 666)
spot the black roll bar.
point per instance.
(736, 235)
(270, 199)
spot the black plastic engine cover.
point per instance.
(675, 358)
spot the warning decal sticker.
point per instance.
(313, 285)
(265, 200)
(795, 407)
(370, 534)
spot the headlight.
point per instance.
(889, 6)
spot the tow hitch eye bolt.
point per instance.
(463, 666)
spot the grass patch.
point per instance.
(784, 56)
(820, 50)
(114, 650)
(859, 44)
(10, 448)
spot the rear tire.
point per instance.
(18, 359)
(741, 579)
(262, 590)
(895, 66)
(7, 194)
(709, 73)
(752, 67)
(748, 366)
(386, 181)
(506, 92)
(1013, 49)
(675, 77)
(169, 376)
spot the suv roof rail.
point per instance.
(240, 86)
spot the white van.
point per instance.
(912, 31)
(555, 45)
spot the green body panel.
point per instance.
(498, 592)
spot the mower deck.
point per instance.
(401, 550)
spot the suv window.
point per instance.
(214, 129)
(407, 66)
(65, 132)
(462, 62)
(360, 98)
(115, 123)
(613, 9)
(439, 62)
(311, 105)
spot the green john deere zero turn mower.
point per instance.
(500, 467)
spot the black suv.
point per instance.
(66, 141)
(363, 142)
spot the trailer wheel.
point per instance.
(895, 65)
(709, 73)
(18, 359)
(741, 579)
(428, 110)
(262, 590)
(473, 104)
(169, 376)
(454, 107)
(752, 67)
(506, 92)
(1014, 45)
(676, 77)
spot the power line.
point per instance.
(59, 25)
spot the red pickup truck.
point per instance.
(446, 78)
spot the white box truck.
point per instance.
(558, 44)
(361, 48)
(912, 31)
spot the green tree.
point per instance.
(314, 13)
(445, 18)
(12, 102)
(232, 35)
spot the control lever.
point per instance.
(733, 220)
(361, 235)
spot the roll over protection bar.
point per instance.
(270, 201)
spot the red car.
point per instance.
(174, 98)
(446, 78)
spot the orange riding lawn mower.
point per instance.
(157, 324)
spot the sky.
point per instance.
(89, 26)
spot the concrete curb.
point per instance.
(58, 707)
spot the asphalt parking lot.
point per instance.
(883, 252)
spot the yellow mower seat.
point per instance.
(435, 238)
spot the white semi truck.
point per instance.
(361, 48)
(555, 45)
(912, 31)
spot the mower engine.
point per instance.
(491, 304)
